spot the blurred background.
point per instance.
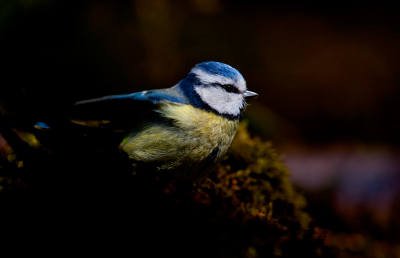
(327, 77)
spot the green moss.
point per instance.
(253, 167)
(256, 182)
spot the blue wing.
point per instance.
(128, 107)
(153, 96)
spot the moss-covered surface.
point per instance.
(81, 197)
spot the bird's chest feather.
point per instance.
(194, 138)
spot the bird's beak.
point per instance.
(249, 94)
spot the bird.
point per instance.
(185, 130)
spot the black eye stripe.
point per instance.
(228, 87)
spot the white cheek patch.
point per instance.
(220, 100)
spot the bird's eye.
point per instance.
(229, 88)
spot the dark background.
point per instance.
(325, 73)
(327, 76)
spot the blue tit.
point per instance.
(185, 129)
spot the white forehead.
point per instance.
(209, 78)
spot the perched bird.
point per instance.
(185, 129)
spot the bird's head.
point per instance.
(217, 87)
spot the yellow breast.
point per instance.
(185, 145)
